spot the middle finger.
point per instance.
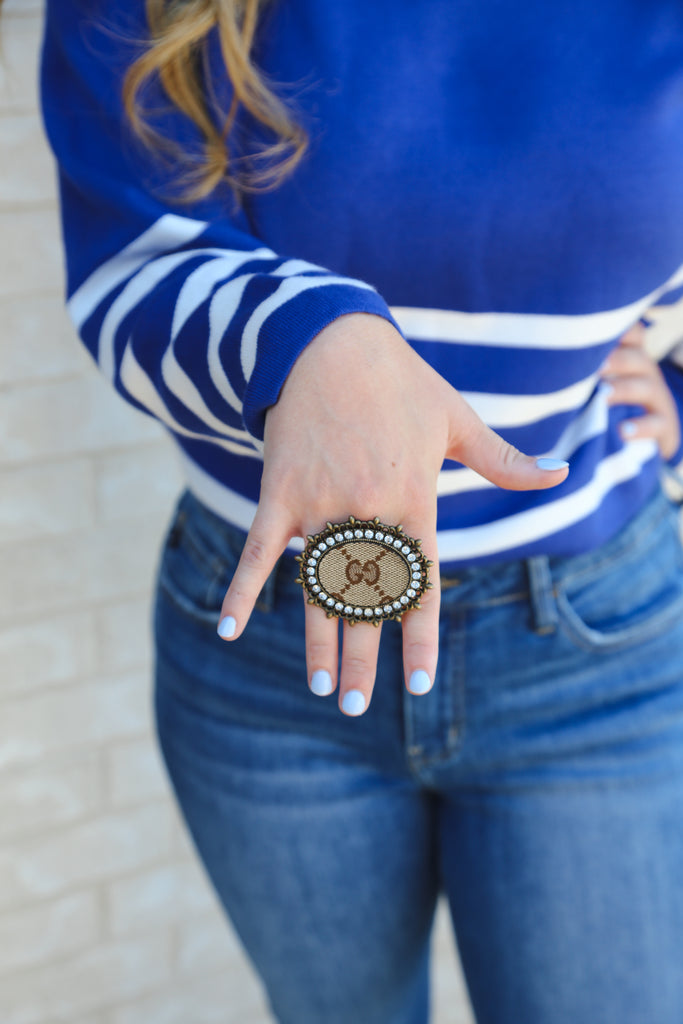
(358, 666)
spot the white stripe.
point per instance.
(223, 501)
(288, 290)
(676, 356)
(292, 267)
(169, 232)
(186, 391)
(665, 330)
(543, 521)
(224, 305)
(525, 330)
(461, 544)
(591, 422)
(499, 411)
(137, 289)
(198, 285)
(138, 384)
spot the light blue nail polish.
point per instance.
(353, 703)
(551, 464)
(321, 683)
(419, 682)
(628, 429)
(226, 627)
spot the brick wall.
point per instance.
(105, 917)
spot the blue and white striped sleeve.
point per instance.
(190, 317)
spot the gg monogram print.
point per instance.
(363, 571)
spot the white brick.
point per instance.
(78, 570)
(31, 251)
(135, 772)
(124, 631)
(43, 798)
(232, 997)
(19, 64)
(166, 895)
(78, 715)
(92, 1018)
(451, 1003)
(39, 341)
(207, 943)
(12, 7)
(85, 983)
(47, 499)
(148, 478)
(79, 856)
(53, 930)
(27, 171)
(183, 847)
(65, 417)
(57, 649)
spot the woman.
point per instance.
(494, 195)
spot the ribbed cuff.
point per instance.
(289, 330)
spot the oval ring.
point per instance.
(363, 571)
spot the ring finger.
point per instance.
(359, 666)
(321, 650)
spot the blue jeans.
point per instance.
(539, 785)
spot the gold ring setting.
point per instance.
(363, 571)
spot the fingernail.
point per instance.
(321, 683)
(419, 682)
(353, 703)
(628, 429)
(226, 627)
(551, 464)
(607, 389)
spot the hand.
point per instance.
(636, 379)
(361, 428)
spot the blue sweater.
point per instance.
(502, 181)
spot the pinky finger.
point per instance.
(651, 426)
(665, 430)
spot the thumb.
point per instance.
(477, 446)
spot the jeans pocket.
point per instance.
(629, 598)
(197, 563)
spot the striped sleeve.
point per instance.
(190, 317)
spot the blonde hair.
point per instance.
(177, 56)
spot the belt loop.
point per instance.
(543, 607)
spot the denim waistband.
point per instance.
(534, 579)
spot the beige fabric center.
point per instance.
(363, 574)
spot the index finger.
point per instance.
(266, 540)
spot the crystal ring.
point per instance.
(363, 571)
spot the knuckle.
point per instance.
(507, 453)
(318, 650)
(255, 554)
(417, 650)
(356, 665)
(367, 496)
(418, 498)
